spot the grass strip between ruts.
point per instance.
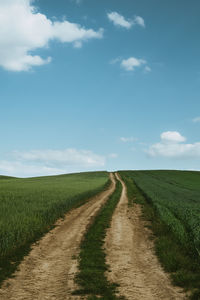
(92, 263)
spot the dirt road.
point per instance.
(48, 271)
(131, 257)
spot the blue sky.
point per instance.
(95, 85)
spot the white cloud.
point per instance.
(172, 145)
(47, 162)
(115, 60)
(196, 120)
(139, 20)
(128, 139)
(23, 30)
(82, 158)
(20, 169)
(131, 63)
(147, 69)
(119, 20)
(172, 137)
(77, 44)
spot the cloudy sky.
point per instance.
(95, 85)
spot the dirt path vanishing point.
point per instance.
(132, 261)
(47, 273)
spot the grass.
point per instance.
(30, 207)
(92, 264)
(171, 202)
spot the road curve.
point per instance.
(47, 273)
(130, 254)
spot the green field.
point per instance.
(29, 207)
(172, 202)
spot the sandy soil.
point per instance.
(48, 271)
(131, 257)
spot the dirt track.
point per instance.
(131, 258)
(48, 271)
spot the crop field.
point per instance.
(175, 199)
(29, 207)
(105, 240)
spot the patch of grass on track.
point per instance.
(169, 202)
(92, 262)
(29, 208)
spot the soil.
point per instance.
(130, 254)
